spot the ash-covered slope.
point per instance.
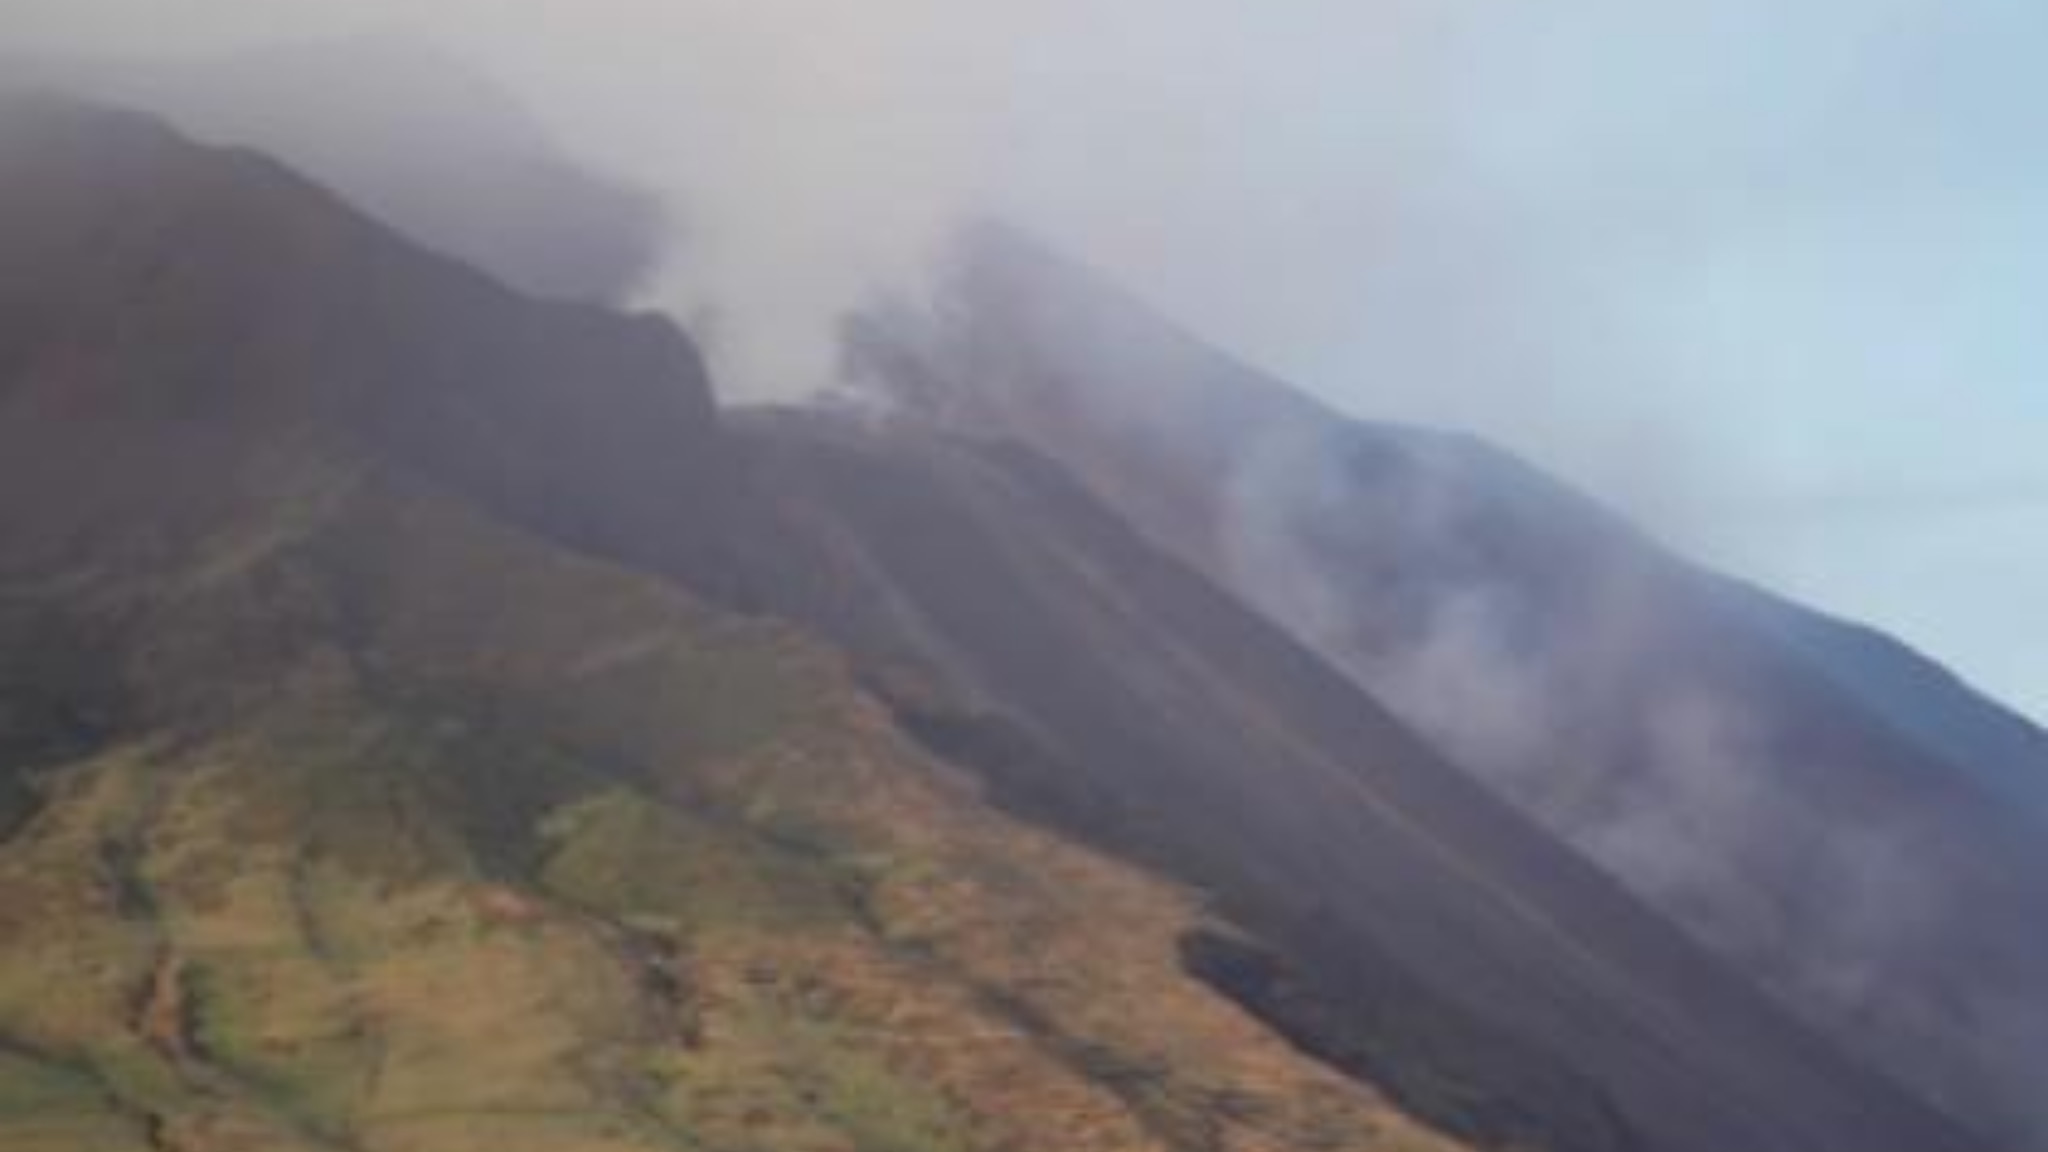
(354, 801)
(1413, 927)
(1836, 816)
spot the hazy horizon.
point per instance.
(1764, 279)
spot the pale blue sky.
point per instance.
(1802, 251)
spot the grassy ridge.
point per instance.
(476, 845)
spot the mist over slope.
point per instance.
(418, 138)
(1762, 275)
(1424, 934)
(1831, 813)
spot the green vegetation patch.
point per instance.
(31, 1087)
(644, 862)
(784, 1077)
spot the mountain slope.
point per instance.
(353, 805)
(1109, 691)
(1832, 816)
(546, 856)
(2006, 753)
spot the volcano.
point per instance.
(427, 721)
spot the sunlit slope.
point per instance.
(477, 845)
